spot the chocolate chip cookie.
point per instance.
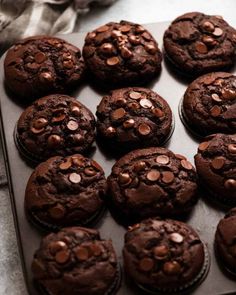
(164, 256)
(209, 104)
(42, 65)
(216, 166)
(76, 261)
(225, 243)
(151, 182)
(134, 117)
(196, 43)
(122, 54)
(65, 192)
(54, 125)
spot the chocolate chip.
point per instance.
(146, 36)
(172, 268)
(68, 64)
(95, 249)
(110, 131)
(125, 52)
(161, 252)
(167, 176)
(75, 110)
(107, 48)
(45, 76)
(36, 130)
(32, 66)
(40, 123)
(145, 103)
(208, 40)
(135, 95)
(153, 175)
(228, 94)
(102, 29)
(77, 138)
(74, 177)
(133, 227)
(67, 56)
(218, 32)
(215, 111)
(120, 101)
(146, 264)
(128, 123)
(232, 148)
(124, 179)
(40, 57)
(176, 238)
(58, 118)
(139, 29)
(134, 40)
(65, 165)
(230, 184)
(57, 246)
(186, 165)
(150, 48)
(57, 212)
(78, 161)
(158, 112)
(218, 162)
(162, 159)
(125, 28)
(89, 171)
(118, 114)
(72, 125)
(54, 140)
(203, 146)
(144, 129)
(113, 61)
(82, 253)
(62, 256)
(116, 34)
(201, 48)
(133, 105)
(215, 97)
(140, 166)
(208, 26)
(180, 157)
(17, 47)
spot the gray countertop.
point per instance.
(140, 11)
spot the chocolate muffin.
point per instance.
(196, 43)
(122, 54)
(209, 104)
(151, 182)
(225, 243)
(134, 117)
(76, 261)
(64, 192)
(216, 167)
(42, 65)
(54, 125)
(164, 256)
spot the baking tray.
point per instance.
(203, 218)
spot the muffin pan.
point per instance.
(204, 217)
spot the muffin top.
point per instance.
(55, 125)
(163, 254)
(134, 117)
(42, 65)
(65, 191)
(197, 43)
(122, 53)
(209, 104)
(75, 261)
(152, 181)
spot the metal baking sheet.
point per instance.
(203, 218)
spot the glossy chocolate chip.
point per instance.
(62, 256)
(40, 57)
(74, 177)
(215, 111)
(161, 252)
(153, 175)
(65, 165)
(208, 26)
(172, 268)
(218, 32)
(135, 95)
(158, 112)
(144, 129)
(232, 148)
(82, 253)
(201, 48)
(230, 184)
(46, 77)
(57, 212)
(128, 123)
(186, 165)
(146, 264)
(96, 250)
(145, 103)
(111, 131)
(176, 238)
(72, 125)
(216, 97)
(54, 140)
(140, 166)
(102, 29)
(218, 162)
(57, 246)
(113, 61)
(124, 178)
(118, 114)
(203, 145)
(89, 171)
(167, 176)
(162, 159)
